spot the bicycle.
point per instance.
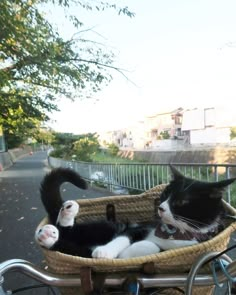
(223, 271)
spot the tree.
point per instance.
(164, 135)
(37, 64)
(44, 136)
(85, 147)
(232, 132)
(64, 139)
(78, 147)
(113, 149)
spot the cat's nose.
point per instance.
(161, 209)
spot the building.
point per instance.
(208, 125)
(176, 129)
(166, 125)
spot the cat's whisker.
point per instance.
(191, 221)
(217, 221)
(185, 223)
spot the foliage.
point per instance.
(44, 136)
(61, 152)
(164, 135)
(232, 132)
(77, 147)
(37, 65)
(104, 157)
(65, 139)
(113, 149)
(84, 148)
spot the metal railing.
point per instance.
(144, 176)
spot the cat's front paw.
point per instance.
(103, 252)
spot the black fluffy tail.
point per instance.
(50, 189)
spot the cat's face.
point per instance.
(191, 203)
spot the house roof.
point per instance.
(175, 111)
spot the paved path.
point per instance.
(21, 211)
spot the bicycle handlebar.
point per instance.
(116, 280)
(40, 275)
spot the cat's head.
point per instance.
(187, 202)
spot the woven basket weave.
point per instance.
(137, 208)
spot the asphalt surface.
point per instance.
(21, 211)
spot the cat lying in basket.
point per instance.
(191, 211)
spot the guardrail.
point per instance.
(143, 176)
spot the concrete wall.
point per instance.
(218, 155)
(8, 158)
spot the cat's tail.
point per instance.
(50, 189)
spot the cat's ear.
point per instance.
(226, 182)
(219, 187)
(175, 173)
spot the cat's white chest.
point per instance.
(170, 243)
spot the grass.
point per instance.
(104, 157)
(233, 195)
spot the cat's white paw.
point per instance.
(103, 252)
(47, 235)
(67, 213)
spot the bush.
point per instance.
(113, 149)
(84, 148)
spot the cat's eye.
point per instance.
(68, 207)
(40, 231)
(164, 196)
(185, 202)
(181, 203)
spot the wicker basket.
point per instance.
(138, 208)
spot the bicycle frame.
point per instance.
(118, 280)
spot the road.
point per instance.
(21, 211)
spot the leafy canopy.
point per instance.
(37, 65)
(77, 147)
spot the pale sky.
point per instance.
(179, 53)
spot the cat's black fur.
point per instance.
(80, 238)
(71, 248)
(50, 189)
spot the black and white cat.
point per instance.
(191, 211)
(64, 233)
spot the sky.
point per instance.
(176, 53)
